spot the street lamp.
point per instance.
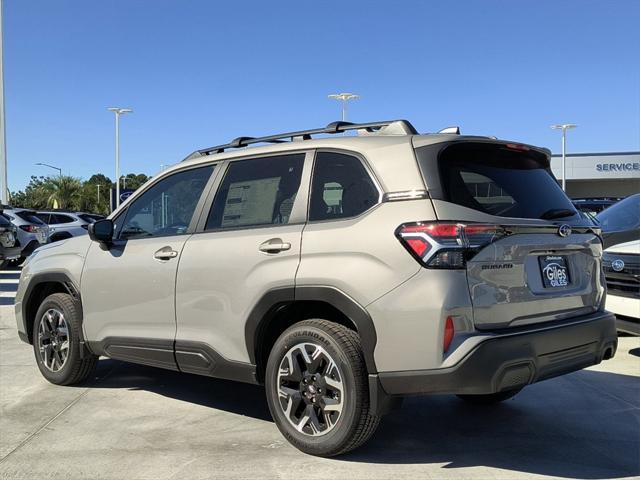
(4, 190)
(344, 98)
(118, 111)
(564, 127)
(124, 181)
(50, 166)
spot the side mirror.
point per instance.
(101, 231)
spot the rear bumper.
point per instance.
(513, 360)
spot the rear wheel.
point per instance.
(16, 262)
(317, 388)
(491, 398)
(56, 341)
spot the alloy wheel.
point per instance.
(53, 340)
(311, 392)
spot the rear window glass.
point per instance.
(501, 181)
(624, 215)
(30, 217)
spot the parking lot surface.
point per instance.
(139, 422)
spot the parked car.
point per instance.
(9, 245)
(620, 223)
(90, 217)
(621, 264)
(343, 273)
(63, 224)
(32, 232)
(594, 205)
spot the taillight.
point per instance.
(447, 245)
(449, 332)
(29, 228)
(86, 227)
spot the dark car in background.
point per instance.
(620, 223)
(594, 205)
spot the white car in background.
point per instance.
(621, 264)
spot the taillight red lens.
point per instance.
(418, 246)
(446, 245)
(449, 332)
(28, 228)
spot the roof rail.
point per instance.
(402, 126)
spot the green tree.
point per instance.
(35, 194)
(64, 192)
(95, 194)
(133, 180)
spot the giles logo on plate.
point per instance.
(554, 271)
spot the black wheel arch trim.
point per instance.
(50, 277)
(277, 298)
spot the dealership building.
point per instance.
(599, 174)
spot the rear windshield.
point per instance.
(4, 221)
(30, 217)
(624, 215)
(503, 181)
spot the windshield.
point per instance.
(502, 180)
(624, 215)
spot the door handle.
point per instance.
(274, 245)
(165, 253)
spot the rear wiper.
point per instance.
(557, 213)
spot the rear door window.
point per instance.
(60, 218)
(257, 192)
(341, 187)
(503, 181)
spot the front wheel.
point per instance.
(56, 341)
(317, 388)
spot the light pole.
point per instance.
(4, 197)
(344, 98)
(564, 127)
(124, 182)
(98, 185)
(50, 166)
(118, 111)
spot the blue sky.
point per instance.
(199, 73)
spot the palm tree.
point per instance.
(63, 191)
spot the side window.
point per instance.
(341, 187)
(43, 216)
(257, 192)
(59, 218)
(167, 207)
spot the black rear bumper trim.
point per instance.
(515, 360)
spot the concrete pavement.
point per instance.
(139, 422)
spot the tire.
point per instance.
(16, 262)
(56, 326)
(491, 398)
(333, 376)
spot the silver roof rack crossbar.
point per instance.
(400, 126)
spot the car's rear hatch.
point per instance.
(529, 256)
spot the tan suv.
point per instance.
(341, 272)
